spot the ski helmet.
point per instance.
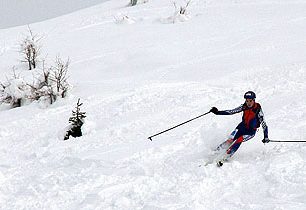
(250, 95)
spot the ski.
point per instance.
(219, 159)
(219, 156)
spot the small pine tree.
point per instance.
(76, 121)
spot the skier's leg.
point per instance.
(237, 144)
(247, 137)
(230, 151)
(238, 135)
(225, 145)
(221, 149)
(234, 147)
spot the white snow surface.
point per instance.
(137, 75)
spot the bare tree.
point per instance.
(30, 49)
(182, 10)
(60, 70)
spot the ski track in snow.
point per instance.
(113, 165)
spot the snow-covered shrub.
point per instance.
(51, 82)
(76, 122)
(43, 88)
(134, 2)
(30, 49)
(124, 19)
(180, 14)
(44, 85)
(182, 10)
(14, 91)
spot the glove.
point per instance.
(265, 140)
(214, 110)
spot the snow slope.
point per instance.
(139, 75)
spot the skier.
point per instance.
(251, 120)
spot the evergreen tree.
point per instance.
(76, 121)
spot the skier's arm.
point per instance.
(263, 123)
(231, 111)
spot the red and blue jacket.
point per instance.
(252, 117)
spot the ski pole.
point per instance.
(287, 141)
(177, 125)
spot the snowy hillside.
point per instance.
(139, 70)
